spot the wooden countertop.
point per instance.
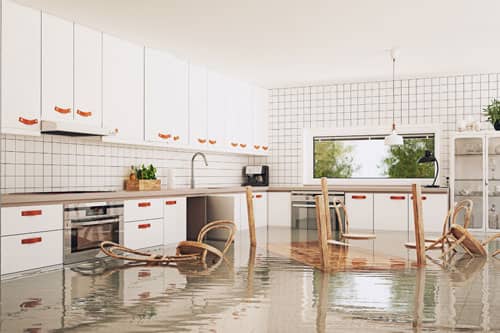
(25, 199)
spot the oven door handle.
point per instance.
(308, 206)
(78, 225)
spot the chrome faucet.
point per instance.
(192, 166)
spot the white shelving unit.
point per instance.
(475, 175)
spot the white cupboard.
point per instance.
(260, 119)
(20, 74)
(279, 211)
(88, 75)
(216, 110)
(123, 89)
(260, 209)
(360, 210)
(174, 220)
(143, 234)
(166, 98)
(197, 106)
(390, 211)
(434, 208)
(57, 68)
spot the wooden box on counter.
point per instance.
(143, 185)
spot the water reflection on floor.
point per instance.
(258, 292)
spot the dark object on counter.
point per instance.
(430, 158)
(256, 175)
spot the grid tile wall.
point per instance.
(58, 163)
(433, 100)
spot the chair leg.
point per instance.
(453, 246)
(497, 252)
(436, 242)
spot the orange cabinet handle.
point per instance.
(142, 274)
(117, 130)
(258, 196)
(164, 136)
(265, 147)
(62, 110)
(397, 197)
(202, 141)
(359, 197)
(84, 113)
(28, 121)
(31, 212)
(234, 144)
(243, 145)
(144, 226)
(212, 142)
(31, 240)
(256, 147)
(176, 137)
(144, 204)
(170, 202)
(423, 197)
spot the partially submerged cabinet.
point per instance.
(174, 220)
(143, 223)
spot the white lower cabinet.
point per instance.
(279, 209)
(390, 211)
(29, 219)
(174, 220)
(142, 209)
(260, 209)
(360, 210)
(434, 208)
(142, 234)
(30, 251)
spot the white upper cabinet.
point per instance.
(88, 75)
(216, 121)
(166, 99)
(197, 106)
(260, 120)
(20, 99)
(123, 89)
(57, 68)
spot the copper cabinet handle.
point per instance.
(212, 142)
(31, 240)
(31, 212)
(144, 204)
(423, 197)
(234, 144)
(84, 113)
(243, 145)
(359, 197)
(256, 147)
(62, 110)
(176, 137)
(265, 147)
(258, 196)
(144, 226)
(28, 122)
(202, 141)
(117, 130)
(164, 136)
(142, 274)
(397, 197)
(170, 202)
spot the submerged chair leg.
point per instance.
(322, 233)
(453, 246)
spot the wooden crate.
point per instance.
(143, 185)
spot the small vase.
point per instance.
(496, 125)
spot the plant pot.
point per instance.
(496, 125)
(143, 185)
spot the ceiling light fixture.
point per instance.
(393, 139)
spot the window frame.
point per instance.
(308, 135)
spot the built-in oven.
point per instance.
(86, 225)
(304, 209)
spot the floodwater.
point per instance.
(258, 291)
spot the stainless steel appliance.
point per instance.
(256, 175)
(86, 225)
(304, 209)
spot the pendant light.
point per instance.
(393, 139)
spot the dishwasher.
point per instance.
(304, 209)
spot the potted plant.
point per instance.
(143, 178)
(493, 113)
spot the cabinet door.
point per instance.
(88, 75)
(434, 208)
(57, 68)
(166, 98)
(123, 89)
(174, 220)
(197, 106)
(360, 209)
(244, 123)
(20, 69)
(390, 211)
(260, 209)
(260, 121)
(279, 209)
(216, 104)
(142, 234)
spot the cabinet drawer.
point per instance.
(143, 209)
(21, 220)
(174, 220)
(360, 210)
(29, 251)
(141, 234)
(434, 209)
(391, 211)
(260, 209)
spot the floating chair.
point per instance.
(459, 236)
(187, 251)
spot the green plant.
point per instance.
(493, 111)
(333, 160)
(144, 172)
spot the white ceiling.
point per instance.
(295, 42)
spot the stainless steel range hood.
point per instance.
(73, 128)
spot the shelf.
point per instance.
(468, 180)
(470, 154)
(469, 195)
